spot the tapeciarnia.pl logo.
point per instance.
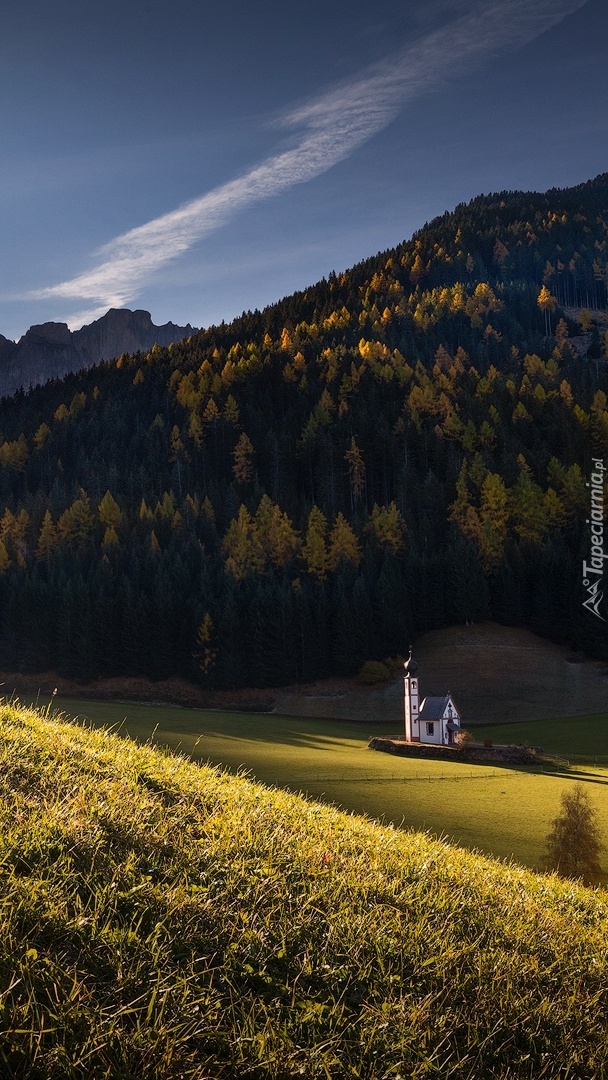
(593, 571)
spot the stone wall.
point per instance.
(512, 755)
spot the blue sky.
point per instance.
(201, 158)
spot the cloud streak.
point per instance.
(326, 130)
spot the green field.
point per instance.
(500, 811)
(582, 739)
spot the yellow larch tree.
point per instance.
(48, 538)
(241, 546)
(343, 544)
(547, 303)
(110, 514)
(387, 527)
(494, 517)
(314, 551)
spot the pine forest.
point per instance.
(401, 447)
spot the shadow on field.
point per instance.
(582, 777)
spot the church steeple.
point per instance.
(412, 700)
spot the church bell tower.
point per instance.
(412, 700)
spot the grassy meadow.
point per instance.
(504, 812)
(161, 920)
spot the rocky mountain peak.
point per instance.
(51, 350)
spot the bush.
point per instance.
(373, 671)
(464, 739)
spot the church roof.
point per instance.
(433, 708)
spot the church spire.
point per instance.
(412, 700)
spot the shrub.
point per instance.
(464, 739)
(373, 671)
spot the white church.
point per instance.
(436, 721)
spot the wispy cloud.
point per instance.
(329, 129)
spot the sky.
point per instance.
(200, 158)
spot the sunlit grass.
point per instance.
(159, 919)
(500, 811)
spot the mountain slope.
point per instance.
(51, 351)
(162, 920)
(397, 449)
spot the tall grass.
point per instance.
(160, 919)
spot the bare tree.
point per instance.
(574, 843)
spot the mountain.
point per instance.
(402, 447)
(51, 350)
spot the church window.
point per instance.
(430, 729)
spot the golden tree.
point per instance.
(241, 546)
(574, 843)
(75, 525)
(387, 527)
(494, 516)
(48, 538)
(110, 513)
(314, 550)
(343, 544)
(41, 435)
(547, 303)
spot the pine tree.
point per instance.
(314, 551)
(47, 539)
(205, 652)
(356, 469)
(574, 843)
(243, 454)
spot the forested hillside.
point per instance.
(400, 447)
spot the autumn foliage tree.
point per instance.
(574, 844)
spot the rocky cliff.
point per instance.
(51, 350)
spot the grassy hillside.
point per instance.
(158, 919)
(501, 811)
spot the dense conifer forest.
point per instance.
(400, 447)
